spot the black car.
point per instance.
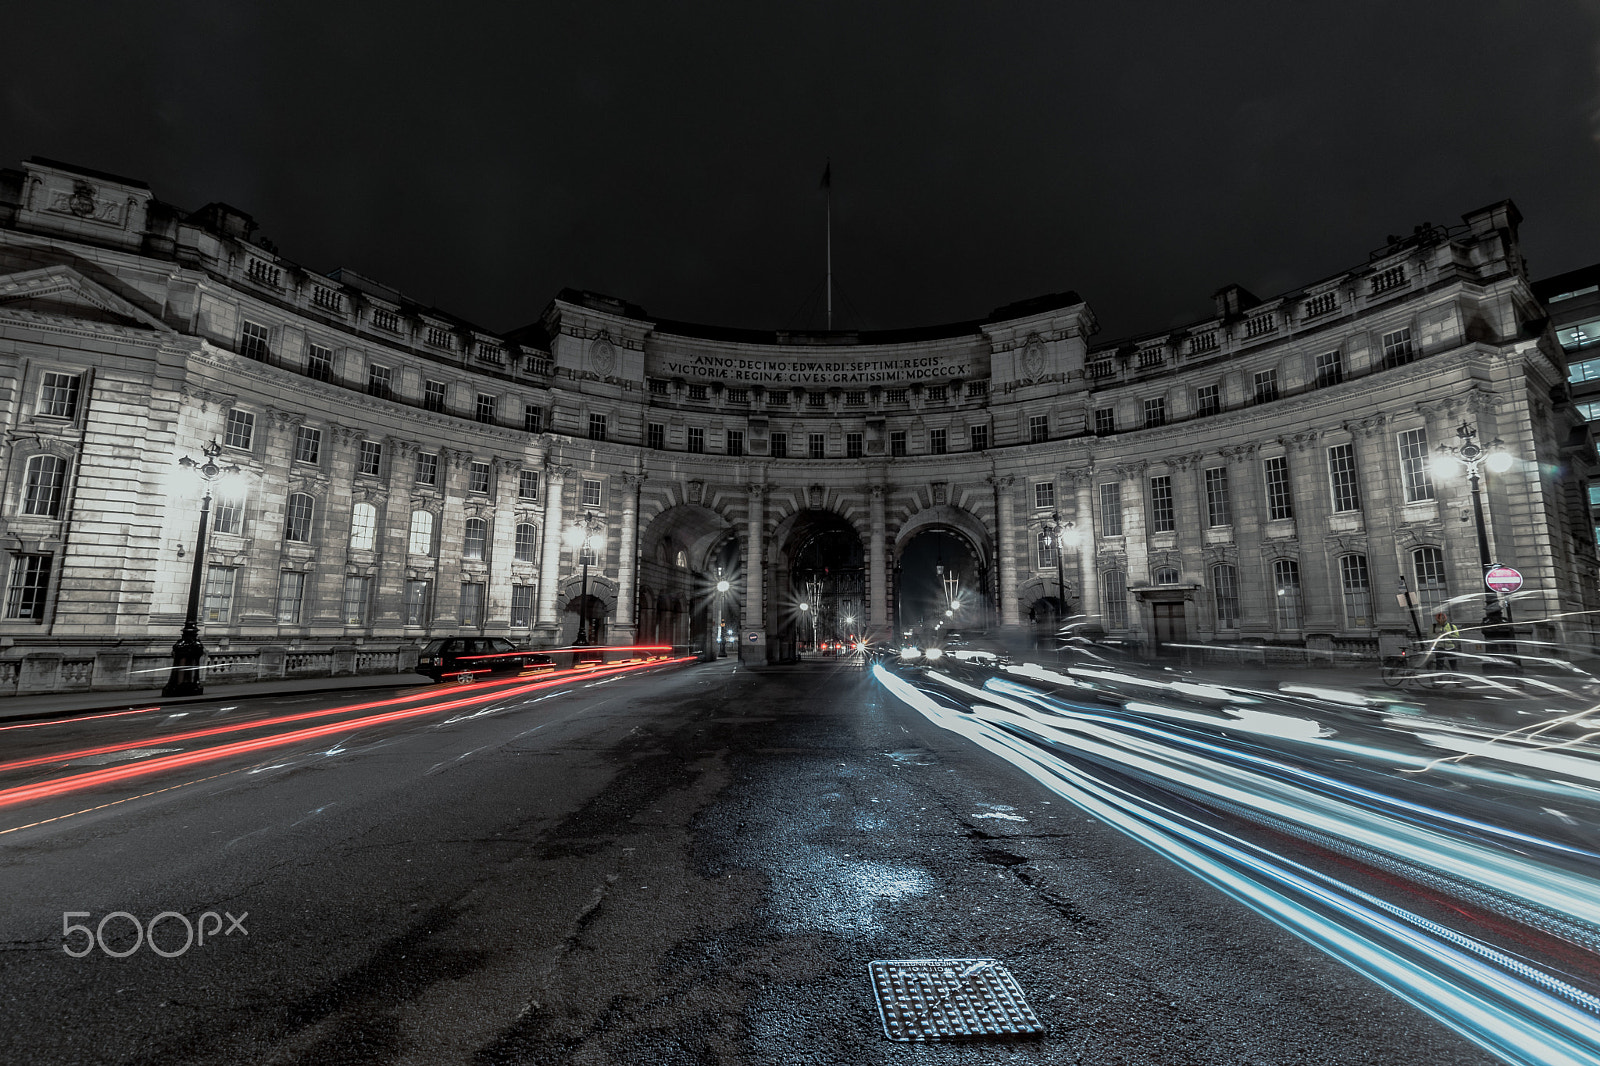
(467, 659)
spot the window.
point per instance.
(815, 445)
(45, 482)
(1047, 550)
(1414, 465)
(486, 409)
(427, 468)
(591, 492)
(1587, 370)
(528, 485)
(472, 603)
(655, 436)
(1105, 421)
(697, 439)
(1208, 400)
(218, 606)
(894, 396)
(227, 515)
(699, 392)
(816, 399)
(433, 396)
(58, 396)
(297, 518)
(1432, 589)
(1225, 590)
(1038, 429)
(1111, 510)
(855, 398)
(658, 387)
(587, 556)
(30, 582)
(778, 399)
(475, 539)
(780, 445)
(597, 427)
(355, 600)
(418, 602)
(1330, 369)
(532, 418)
(307, 444)
(1044, 495)
(1342, 474)
(291, 593)
(1589, 411)
(1397, 350)
(1280, 502)
(1114, 599)
(240, 430)
(371, 461)
(1167, 575)
(977, 388)
(738, 395)
(378, 380)
(253, 340)
(897, 442)
(521, 606)
(853, 445)
(319, 363)
(1357, 591)
(938, 393)
(1286, 581)
(1219, 510)
(1266, 386)
(478, 477)
(980, 438)
(1155, 412)
(1162, 518)
(527, 543)
(363, 526)
(938, 441)
(421, 533)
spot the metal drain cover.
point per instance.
(945, 999)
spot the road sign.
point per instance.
(1502, 579)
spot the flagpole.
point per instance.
(830, 255)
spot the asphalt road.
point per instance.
(694, 865)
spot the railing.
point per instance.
(1261, 324)
(1321, 304)
(265, 273)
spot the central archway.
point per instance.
(944, 573)
(819, 583)
(684, 552)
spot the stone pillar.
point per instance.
(753, 640)
(1088, 572)
(547, 627)
(393, 541)
(503, 473)
(877, 572)
(1006, 535)
(623, 629)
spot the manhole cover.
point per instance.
(942, 999)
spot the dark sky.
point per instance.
(483, 156)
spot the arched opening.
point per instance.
(684, 553)
(585, 615)
(942, 585)
(819, 585)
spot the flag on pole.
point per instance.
(827, 175)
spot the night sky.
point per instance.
(482, 157)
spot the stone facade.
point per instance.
(403, 474)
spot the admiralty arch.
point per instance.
(1258, 479)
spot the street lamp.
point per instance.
(586, 534)
(1062, 534)
(1469, 454)
(184, 679)
(722, 588)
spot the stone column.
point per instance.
(877, 573)
(623, 629)
(547, 627)
(1006, 534)
(392, 541)
(501, 543)
(753, 641)
(1088, 572)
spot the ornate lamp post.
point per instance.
(722, 589)
(188, 651)
(1469, 454)
(586, 534)
(1062, 536)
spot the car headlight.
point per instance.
(934, 653)
(909, 654)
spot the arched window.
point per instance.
(683, 559)
(1225, 588)
(363, 526)
(475, 539)
(1114, 599)
(1357, 586)
(421, 533)
(47, 476)
(1286, 583)
(1432, 590)
(297, 518)
(1167, 575)
(527, 542)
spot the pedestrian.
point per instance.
(1446, 641)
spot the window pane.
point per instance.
(472, 604)
(1114, 598)
(475, 539)
(297, 518)
(1111, 510)
(478, 477)
(591, 492)
(427, 468)
(1427, 564)
(1047, 551)
(240, 429)
(418, 602)
(363, 526)
(355, 600)
(1219, 510)
(30, 581)
(307, 445)
(1044, 495)
(1280, 505)
(421, 533)
(528, 485)
(218, 606)
(291, 591)
(1225, 589)
(1414, 465)
(46, 477)
(371, 461)
(227, 515)
(521, 606)
(58, 398)
(1357, 591)
(527, 543)
(1342, 472)
(1162, 517)
(1286, 584)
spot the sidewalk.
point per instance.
(50, 705)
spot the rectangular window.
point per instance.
(297, 515)
(371, 461)
(46, 481)
(699, 392)
(240, 431)
(1397, 349)
(27, 589)
(1219, 509)
(478, 477)
(1280, 502)
(894, 395)
(1225, 587)
(1587, 370)
(897, 442)
(597, 427)
(1105, 421)
(1111, 510)
(738, 395)
(697, 439)
(938, 393)
(591, 492)
(980, 438)
(291, 593)
(854, 445)
(655, 436)
(472, 603)
(307, 445)
(780, 445)
(1044, 495)
(1357, 591)
(363, 527)
(532, 418)
(735, 442)
(433, 396)
(521, 606)
(855, 398)
(1114, 597)
(58, 396)
(1208, 400)
(1155, 412)
(355, 600)
(1266, 386)
(418, 602)
(1342, 475)
(1590, 411)
(1047, 550)
(253, 341)
(218, 606)
(816, 445)
(1414, 465)
(658, 387)
(1330, 369)
(486, 408)
(427, 468)
(319, 363)
(1038, 429)
(778, 399)
(977, 388)
(475, 539)
(528, 485)
(1162, 517)
(526, 544)
(1433, 591)
(378, 380)
(1286, 585)
(227, 515)
(938, 441)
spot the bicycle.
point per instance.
(1409, 669)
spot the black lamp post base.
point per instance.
(185, 677)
